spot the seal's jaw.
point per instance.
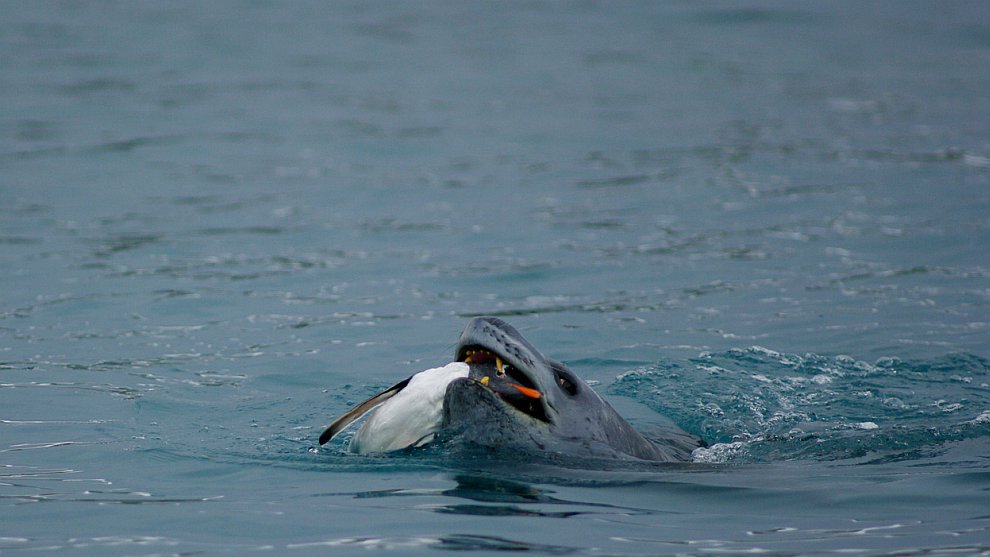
(475, 413)
(512, 385)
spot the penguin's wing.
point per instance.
(353, 414)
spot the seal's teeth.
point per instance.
(499, 365)
(484, 381)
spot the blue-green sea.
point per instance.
(224, 223)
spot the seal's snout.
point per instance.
(509, 383)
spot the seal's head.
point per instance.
(515, 395)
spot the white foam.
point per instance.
(718, 453)
(983, 418)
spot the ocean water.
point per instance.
(223, 223)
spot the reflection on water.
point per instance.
(503, 498)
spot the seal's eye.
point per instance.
(566, 381)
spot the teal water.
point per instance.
(223, 223)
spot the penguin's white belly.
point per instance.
(411, 416)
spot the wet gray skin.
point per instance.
(515, 398)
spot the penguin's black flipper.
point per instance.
(353, 414)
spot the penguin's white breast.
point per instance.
(410, 417)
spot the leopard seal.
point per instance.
(502, 393)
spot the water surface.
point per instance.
(222, 224)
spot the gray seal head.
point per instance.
(532, 403)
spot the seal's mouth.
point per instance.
(507, 382)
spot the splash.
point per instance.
(757, 404)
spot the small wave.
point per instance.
(719, 453)
(758, 404)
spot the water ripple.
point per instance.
(788, 406)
